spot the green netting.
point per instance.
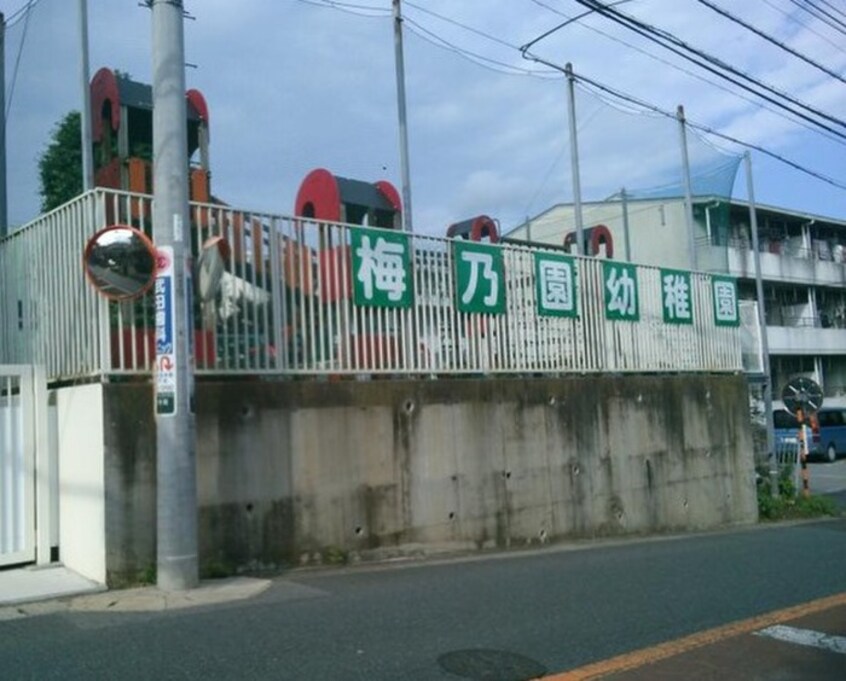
(626, 152)
(641, 152)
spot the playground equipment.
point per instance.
(122, 135)
(475, 229)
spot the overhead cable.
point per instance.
(766, 36)
(710, 131)
(437, 41)
(21, 13)
(11, 95)
(718, 67)
(350, 8)
(776, 111)
(490, 37)
(821, 15)
(834, 8)
(791, 17)
(478, 59)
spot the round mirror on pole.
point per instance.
(120, 262)
(802, 393)
(210, 267)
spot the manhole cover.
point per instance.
(491, 665)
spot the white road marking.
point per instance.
(805, 637)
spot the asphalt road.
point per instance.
(826, 478)
(557, 608)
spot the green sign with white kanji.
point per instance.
(622, 300)
(676, 297)
(555, 283)
(479, 278)
(724, 290)
(381, 264)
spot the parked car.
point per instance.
(828, 432)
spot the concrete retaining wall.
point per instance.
(306, 471)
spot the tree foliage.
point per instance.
(60, 164)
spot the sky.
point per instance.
(294, 85)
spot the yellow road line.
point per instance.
(662, 651)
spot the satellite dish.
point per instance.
(802, 393)
(210, 267)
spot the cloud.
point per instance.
(292, 86)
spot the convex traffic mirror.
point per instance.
(120, 262)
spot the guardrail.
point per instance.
(309, 298)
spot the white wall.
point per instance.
(78, 430)
(657, 229)
(659, 235)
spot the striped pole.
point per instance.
(803, 452)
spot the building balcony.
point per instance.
(806, 340)
(798, 266)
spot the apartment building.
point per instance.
(803, 267)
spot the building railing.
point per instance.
(821, 249)
(787, 318)
(293, 302)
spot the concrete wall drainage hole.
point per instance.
(491, 665)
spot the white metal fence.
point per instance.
(787, 455)
(17, 465)
(294, 301)
(49, 315)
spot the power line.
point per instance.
(474, 57)
(708, 130)
(821, 15)
(716, 66)
(21, 13)
(808, 27)
(728, 15)
(834, 8)
(460, 25)
(350, 8)
(438, 41)
(504, 68)
(697, 126)
(28, 13)
(740, 95)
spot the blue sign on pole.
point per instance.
(164, 315)
(165, 348)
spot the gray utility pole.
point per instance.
(574, 158)
(762, 324)
(85, 119)
(4, 208)
(403, 125)
(625, 201)
(176, 476)
(688, 195)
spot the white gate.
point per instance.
(18, 442)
